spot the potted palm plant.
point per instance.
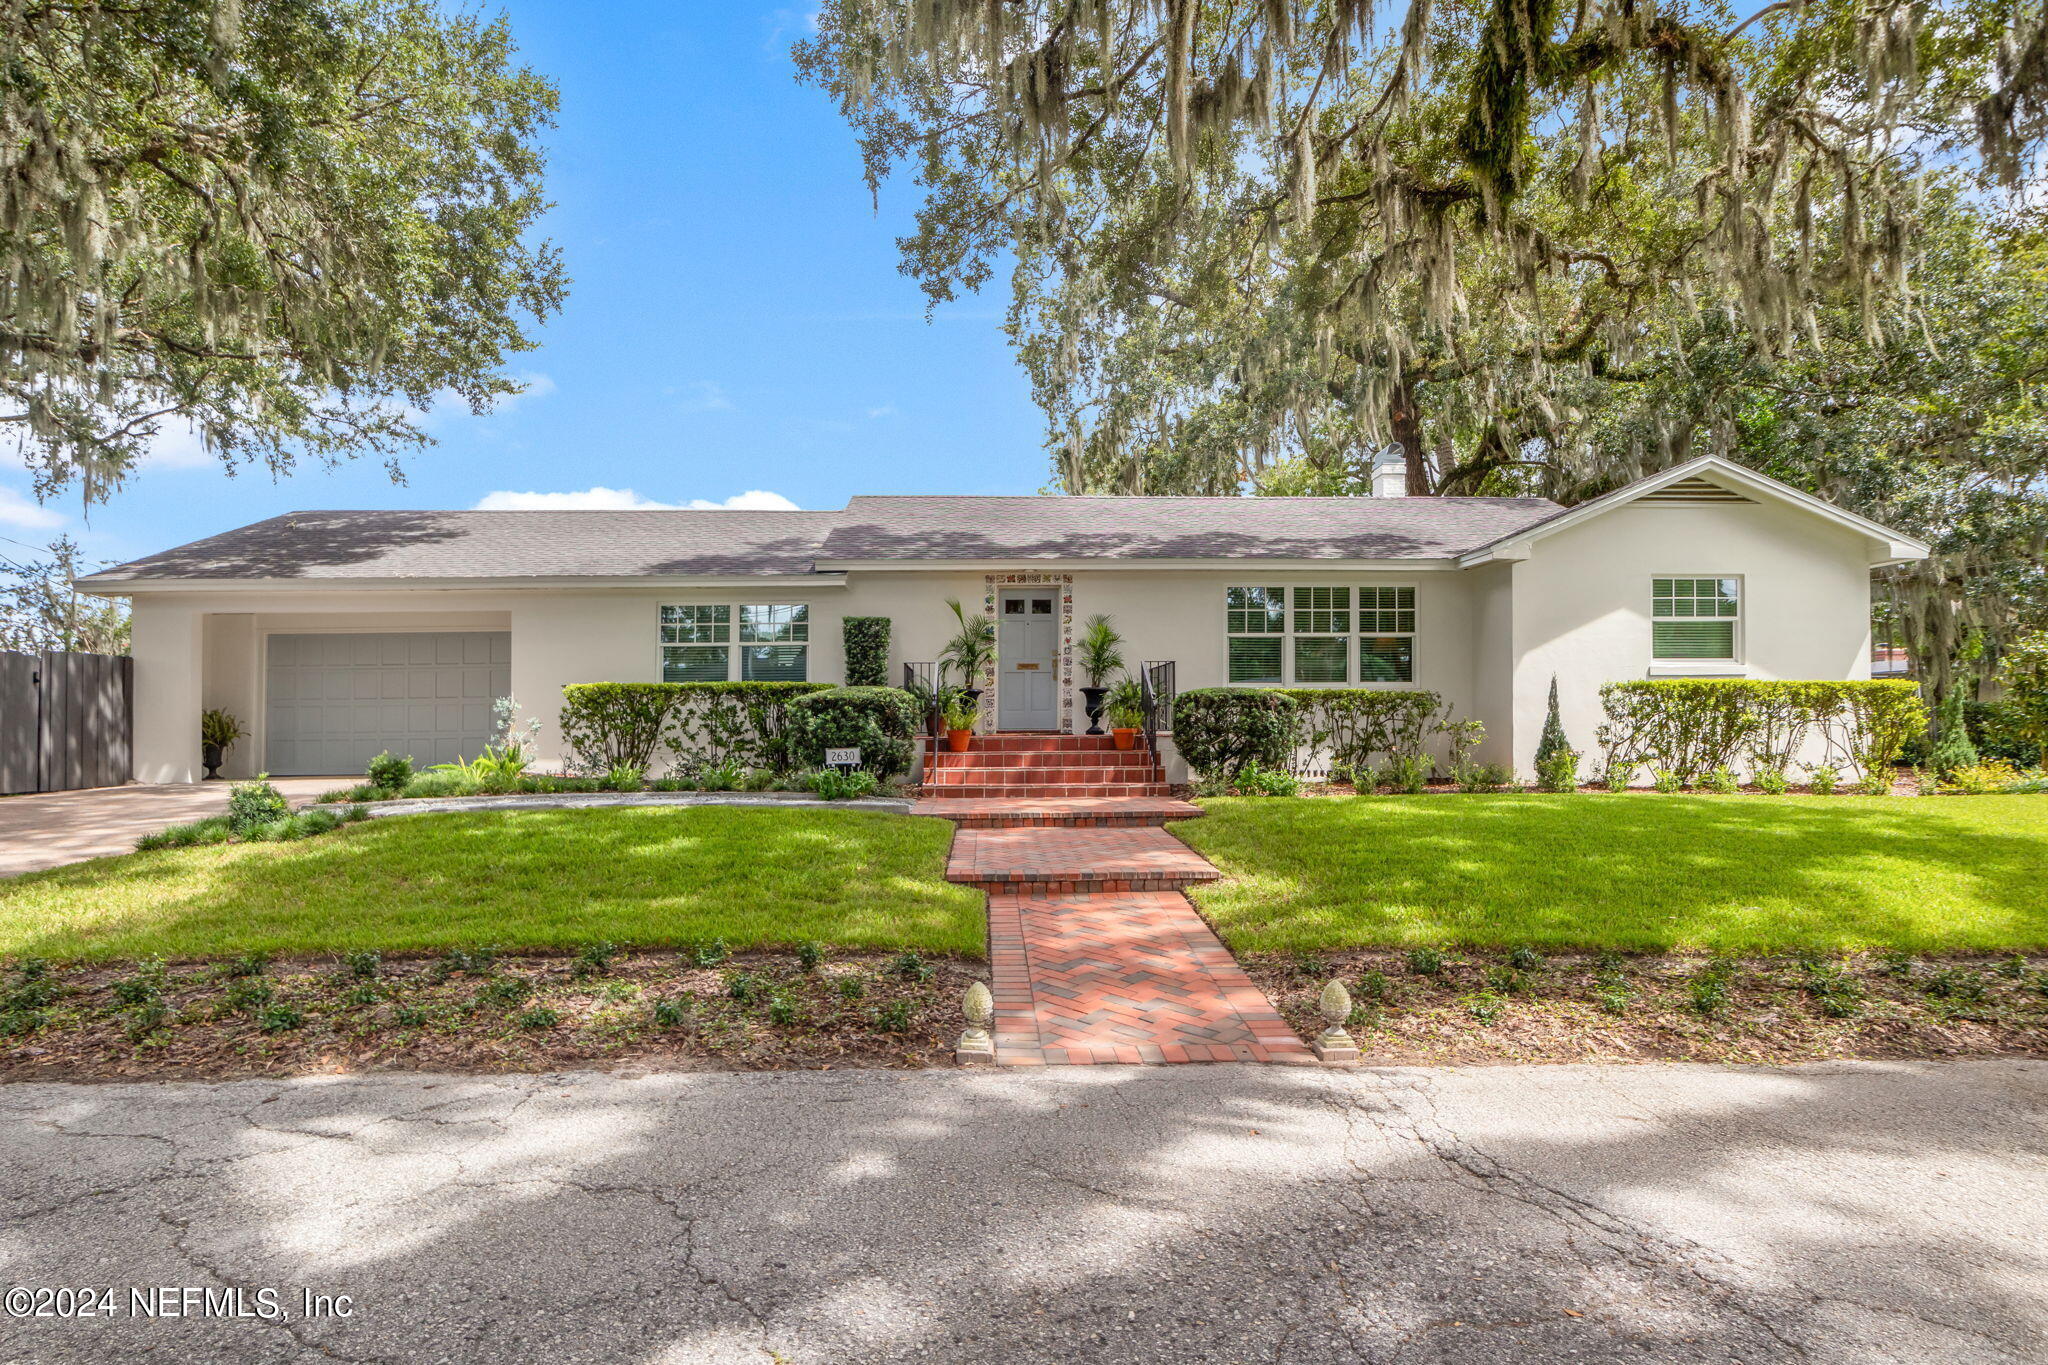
(1125, 706)
(218, 732)
(1102, 653)
(961, 710)
(971, 650)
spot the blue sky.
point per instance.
(736, 320)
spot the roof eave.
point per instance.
(101, 586)
(1130, 563)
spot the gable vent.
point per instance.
(1694, 490)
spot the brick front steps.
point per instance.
(1032, 766)
(1052, 859)
(1097, 956)
(1071, 812)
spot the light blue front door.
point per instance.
(1027, 659)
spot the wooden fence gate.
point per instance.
(65, 721)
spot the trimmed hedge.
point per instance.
(1689, 727)
(1351, 724)
(867, 650)
(1219, 730)
(879, 721)
(696, 725)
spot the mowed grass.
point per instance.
(1740, 874)
(525, 880)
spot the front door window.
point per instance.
(1027, 654)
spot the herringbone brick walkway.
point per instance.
(1098, 957)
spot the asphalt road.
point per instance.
(1866, 1212)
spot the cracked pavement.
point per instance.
(1839, 1212)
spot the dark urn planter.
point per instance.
(211, 755)
(1091, 699)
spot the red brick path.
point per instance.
(1097, 955)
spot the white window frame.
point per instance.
(735, 641)
(1736, 636)
(1353, 635)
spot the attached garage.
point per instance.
(335, 701)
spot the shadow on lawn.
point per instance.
(540, 879)
(1638, 872)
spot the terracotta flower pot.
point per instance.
(1125, 739)
(956, 740)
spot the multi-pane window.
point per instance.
(1257, 621)
(1322, 620)
(773, 642)
(1694, 618)
(698, 643)
(1306, 635)
(1386, 644)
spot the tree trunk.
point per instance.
(1406, 423)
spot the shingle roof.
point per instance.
(627, 544)
(896, 528)
(595, 544)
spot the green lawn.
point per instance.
(534, 879)
(1637, 872)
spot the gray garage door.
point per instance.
(334, 702)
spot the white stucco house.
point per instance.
(335, 635)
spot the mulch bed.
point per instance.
(1479, 1009)
(201, 1021)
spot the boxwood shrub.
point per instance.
(1218, 730)
(867, 650)
(879, 721)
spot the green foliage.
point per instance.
(212, 830)
(1485, 1007)
(1721, 782)
(504, 990)
(1559, 772)
(623, 778)
(972, 648)
(1823, 778)
(1773, 782)
(850, 987)
(895, 1017)
(910, 966)
(1553, 741)
(1483, 777)
(1221, 729)
(1691, 726)
(866, 641)
(670, 1013)
(697, 726)
(279, 1019)
(810, 955)
(959, 711)
(1253, 780)
(538, 1017)
(745, 987)
(1953, 751)
(1124, 704)
(595, 959)
(390, 773)
(1425, 961)
(879, 721)
(1100, 649)
(1407, 773)
(1349, 726)
(708, 954)
(255, 803)
(290, 226)
(833, 784)
(2023, 674)
(494, 772)
(219, 727)
(1524, 958)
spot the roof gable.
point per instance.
(1708, 480)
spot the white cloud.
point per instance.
(15, 510)
(886, 410)
(601, 498)
(176, 445)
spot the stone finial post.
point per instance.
(976, 1044)
(1333, 1044)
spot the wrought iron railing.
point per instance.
(922, 681)
(1156, 687)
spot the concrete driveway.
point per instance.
(1846, 1212)
(54, 828)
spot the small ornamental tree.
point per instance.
(2024, 675)
(1953, 750)
(1553, 742)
